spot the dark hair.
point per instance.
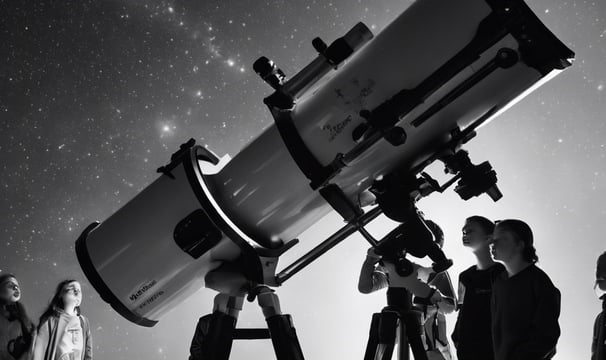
(3, 278)
(522, 232)
(17, 311)
(6, 276)
(486, 224)
(601, 265)
(56, 303)
(436, 230)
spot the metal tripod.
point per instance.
(217, 343)
(391, 324)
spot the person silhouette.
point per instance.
(525, 304)
(598, 344)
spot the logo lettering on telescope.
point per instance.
(142, 290)
(152, 298)
(335, 130)
(363, 91)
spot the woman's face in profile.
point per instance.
(10, 292)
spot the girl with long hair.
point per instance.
(16, 329)
(63, 332)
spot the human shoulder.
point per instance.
(497, 268)
(46, 326)
(600, 317)
(473, 272)
(497, 272)
(83, 322)
(48, 320)
(468, 272)
(534, 272)
(540, 277)
(204, 321)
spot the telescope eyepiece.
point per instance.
(269, 72)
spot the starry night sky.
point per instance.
(95, 95)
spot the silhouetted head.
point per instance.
(512, 237)
(477, 232)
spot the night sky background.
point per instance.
(95, 95)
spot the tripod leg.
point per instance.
(403, 344)
(217, 343)
(284, 338)
(283, 334)
(411, 321)
(388, 325)
(373, 337)
(381, 336)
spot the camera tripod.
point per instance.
(217, 342)
(396, 322)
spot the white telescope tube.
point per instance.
(438, 69)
